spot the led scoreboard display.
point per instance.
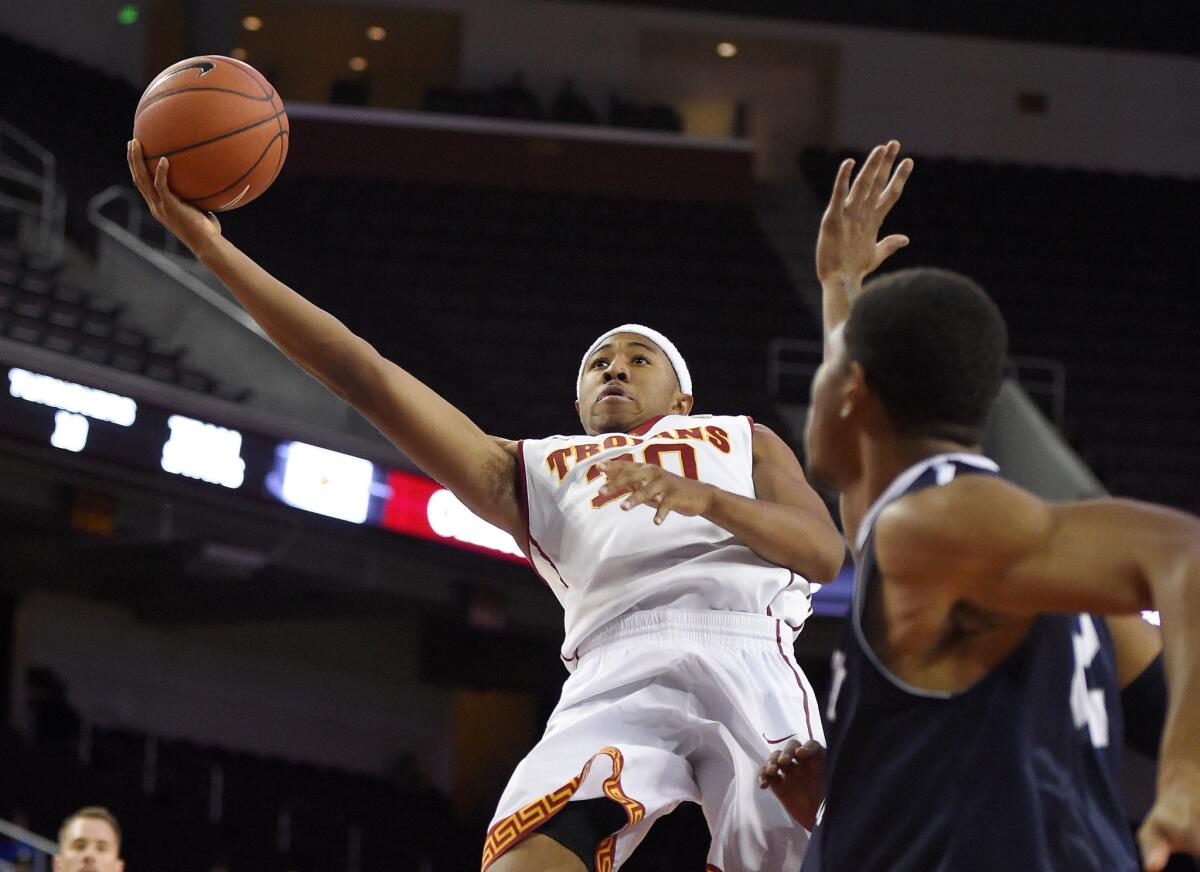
(78, 419)
(109, 427)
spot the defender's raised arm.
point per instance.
(441, 440)
(848, 247)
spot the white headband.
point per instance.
(667, 346)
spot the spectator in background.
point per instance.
(89, 841)
(515, 100)
(571, 107)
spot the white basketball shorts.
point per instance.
(667, 706)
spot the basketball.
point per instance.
(221, 126)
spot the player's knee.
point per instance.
(538, 854)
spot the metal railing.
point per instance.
(789, 359)
(797, 360)
(43, 848)
(119, 213)
(1044, 378)
(32, 170)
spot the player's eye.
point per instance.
(599, 363)
(641, 358)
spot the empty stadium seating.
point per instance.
(492, 295)
(38, 306)
(264, 814)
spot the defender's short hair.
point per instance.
(97, 812)
(934, 346)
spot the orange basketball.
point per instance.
(220, 125)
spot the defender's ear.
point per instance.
(854, 391)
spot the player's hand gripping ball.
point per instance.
(220, 124)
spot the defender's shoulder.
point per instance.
(940, 532)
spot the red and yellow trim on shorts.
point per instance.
(523, 822)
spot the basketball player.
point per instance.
(682, 582)
(89, 841)
(972, 714)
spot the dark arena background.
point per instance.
(233, 614)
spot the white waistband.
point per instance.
(703, 626)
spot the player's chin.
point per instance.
(614, 417)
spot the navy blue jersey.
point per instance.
(1016, 772)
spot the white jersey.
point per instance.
(603, 562)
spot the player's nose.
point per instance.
(617, 371)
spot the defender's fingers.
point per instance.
(895, 187)
(861, 188)
(841, 186)
(806, 753)
(884, 171)
(1155, 843)
(885, 248)
(665, 506)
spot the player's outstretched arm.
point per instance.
(787, 523)
(1000, 548)
(848, 244)
(436, 436)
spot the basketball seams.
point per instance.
(146, 104)
(213, 139)
(251, 73)
(242, 177)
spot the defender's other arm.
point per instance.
(998, 547)
(440, 439)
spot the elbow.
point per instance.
(835, 556)
(823, 563)
(353, 373)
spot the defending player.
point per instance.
(679, 615)
(973, 720)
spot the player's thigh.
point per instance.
(538, 853)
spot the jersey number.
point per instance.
(1087, 704)
(837, 665)
(652, 454)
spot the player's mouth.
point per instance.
(613, 392)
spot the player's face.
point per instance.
(88, 845)
(829, 438)
(627, 381)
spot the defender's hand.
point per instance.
(193, 227)
(848, 248)
(1173, 824)
(795, 775)
(647, 483)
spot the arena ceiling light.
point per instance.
(252, 23)
(358, 63)
(726, 49)
(375, 33)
